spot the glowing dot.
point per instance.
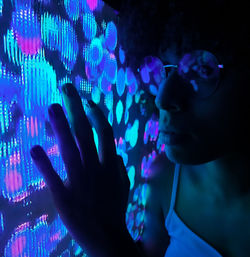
(120, 82)
(119, 111)
(111, 36)
(13, 181)
(110, 68)
(95, 52)
(131, 176)
(153, 90)
(92, 4)
(121, 55)
(145, 75)
(89, 26)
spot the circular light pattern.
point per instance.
(111, 36)
(50, 31)
(101, 72)
(104, 84)
(27, 34)
(120, 83)
(95, 52)
(92, 72)
(121, 55)
(132, 88)
(72, 8)
(146, 164)
(109, 100)
(126, 116)
(129, 101)
(110, 68)
(89, 26)
(145, 75)
(129, 76)
(111, 117)
(68, 45)
(96, 95)
(119, 111)
(131, 134)
(11, 47)
(153, 90)
(92, 4)
(131, 176)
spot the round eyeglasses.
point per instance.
(200, 70)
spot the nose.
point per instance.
(171, 94)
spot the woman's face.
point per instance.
(212, 126)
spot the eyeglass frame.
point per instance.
(220, 66)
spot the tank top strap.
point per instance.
(174, 190)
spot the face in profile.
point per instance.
(203, 106)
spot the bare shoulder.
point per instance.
(155, 238)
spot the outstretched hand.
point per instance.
(92, 202)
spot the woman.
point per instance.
(199, 201)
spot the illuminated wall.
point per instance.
(43, 44)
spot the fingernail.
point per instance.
(34, 152)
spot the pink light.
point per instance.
(13, 181)
(15, 159)
(92, 4)
(22, 227)
(32, 126)
(112, 56)
(18, 246)
(28, 126)
(54, 150)
(55, 237)
(36, 126)
(29, 45)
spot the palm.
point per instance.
(94, 197)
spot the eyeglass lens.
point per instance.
(199, 68)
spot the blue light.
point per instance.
(72, 8)
(42, 49)
(111, 36)
(89, 26)
(121, 55)
(119, 111)
(95, 52)
(120, 83)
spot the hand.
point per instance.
(92, 202)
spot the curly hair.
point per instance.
(150, 27)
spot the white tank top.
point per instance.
(184, 242)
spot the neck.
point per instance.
(227, 177)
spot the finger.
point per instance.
(123, 172)
(52, 179)
(107, 149)
(80, 125)
(125, 181)
(67, 145)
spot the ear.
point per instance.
(115, 4)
